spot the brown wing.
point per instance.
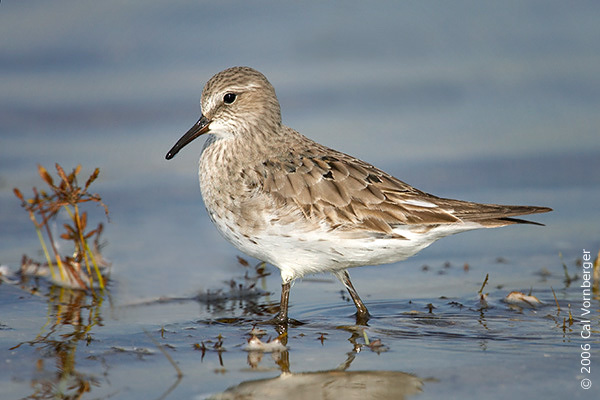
(348, 193)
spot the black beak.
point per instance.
(199, 128)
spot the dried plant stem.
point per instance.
(555, 299)
(61, 267)
(367, 342)
(45, 249)
(86, 251)
(487, 276)
(81, 251)
(96, 269)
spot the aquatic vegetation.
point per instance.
(73, 271)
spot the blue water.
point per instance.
(490, 102)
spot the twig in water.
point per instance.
(555, 299)
(484, 283)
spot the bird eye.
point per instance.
(229, 98)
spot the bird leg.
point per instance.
(362, 314)
(282, 317)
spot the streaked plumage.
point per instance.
(303, 207)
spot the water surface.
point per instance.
(474, 101)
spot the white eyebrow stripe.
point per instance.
(250, 86)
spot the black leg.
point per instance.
(282, 316)
(362, 314)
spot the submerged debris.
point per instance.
(522, 300)
(483, 300)
(136, 351)
(255, 344)
(236, 292)
(376, 345)
(7, 276)
(32, 268)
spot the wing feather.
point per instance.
(329, 187)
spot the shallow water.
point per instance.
(462, 346)
(469, 101)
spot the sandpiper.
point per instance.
(305, 208)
